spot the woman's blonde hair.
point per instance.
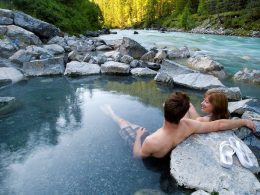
(220, 105)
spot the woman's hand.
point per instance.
(140, 132)
(250, 124)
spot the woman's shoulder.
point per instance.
(203, 119)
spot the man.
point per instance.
(177, 128)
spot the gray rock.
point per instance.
(101, 59)
(132, 48)
(7, 48)
(11, 74)
(58, 40)
(206, 64)
(54, 49)
(115, 68)
(200, 192)
(52, 66)
(245, 132)
(240, 107)
(81, 68)
(6, 13)
(160, 56)
(103, 48)
(22, 37)
(164, 78)
(87, 57)
(117, 56)
(187, 77)
(149, 56)
(143, 72)
(195, 164)
(134, 64)
(126, 59)
(73, 56)
(21, 56)
(232, 93)
(183, 52)
(40, 28)
(248, 75)
(153, 66)
(3, 29)
(6, 21)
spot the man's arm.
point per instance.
(222, 124)
(140, 150)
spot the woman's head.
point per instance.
(216, 104)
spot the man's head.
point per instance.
(176, 106)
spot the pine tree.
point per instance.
(202, 8)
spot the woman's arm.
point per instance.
(192, 113)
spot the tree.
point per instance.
(202, 8)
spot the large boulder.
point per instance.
(206, 64)
(81, 68)
(6, 17)
(232, 93)
(10, 75)
(239, 107)
(183, 52)
(132, 48)
(112, 67)
(22, 37)
(187, 77)
(40, 28)
(52, 66)
(195, 164)
(143, 72)
(7, 48)
(248, 75)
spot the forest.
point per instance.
(78, 16)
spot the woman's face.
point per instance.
(206, 106)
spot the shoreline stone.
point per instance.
(81, 68)
(112, 67)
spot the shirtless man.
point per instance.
(177, 128)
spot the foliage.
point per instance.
(72, 16)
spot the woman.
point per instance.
(215, 104)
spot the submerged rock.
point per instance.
(132, 48)
(6, 100)
(112, 67)
(81, 68)
(195, 164)
(52, 66)
(248, 75)
(143, 72)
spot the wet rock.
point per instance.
(160, 56)
(115, 68)
(132, 48)
(143, 72)
(183, 52)
(207, 65)
(40, 28)
(4, 101)
(240, 107)
(22, 37)
(248, 75)
(52, 66)
(54, 49)
(135, 33)
(164, 78)
(10, 74)
(149, 56)
(7, 48)
(126, 59)
(232, 93)
(81, 68)
(134, 64)
(195, 164)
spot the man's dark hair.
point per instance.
(176, 106)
